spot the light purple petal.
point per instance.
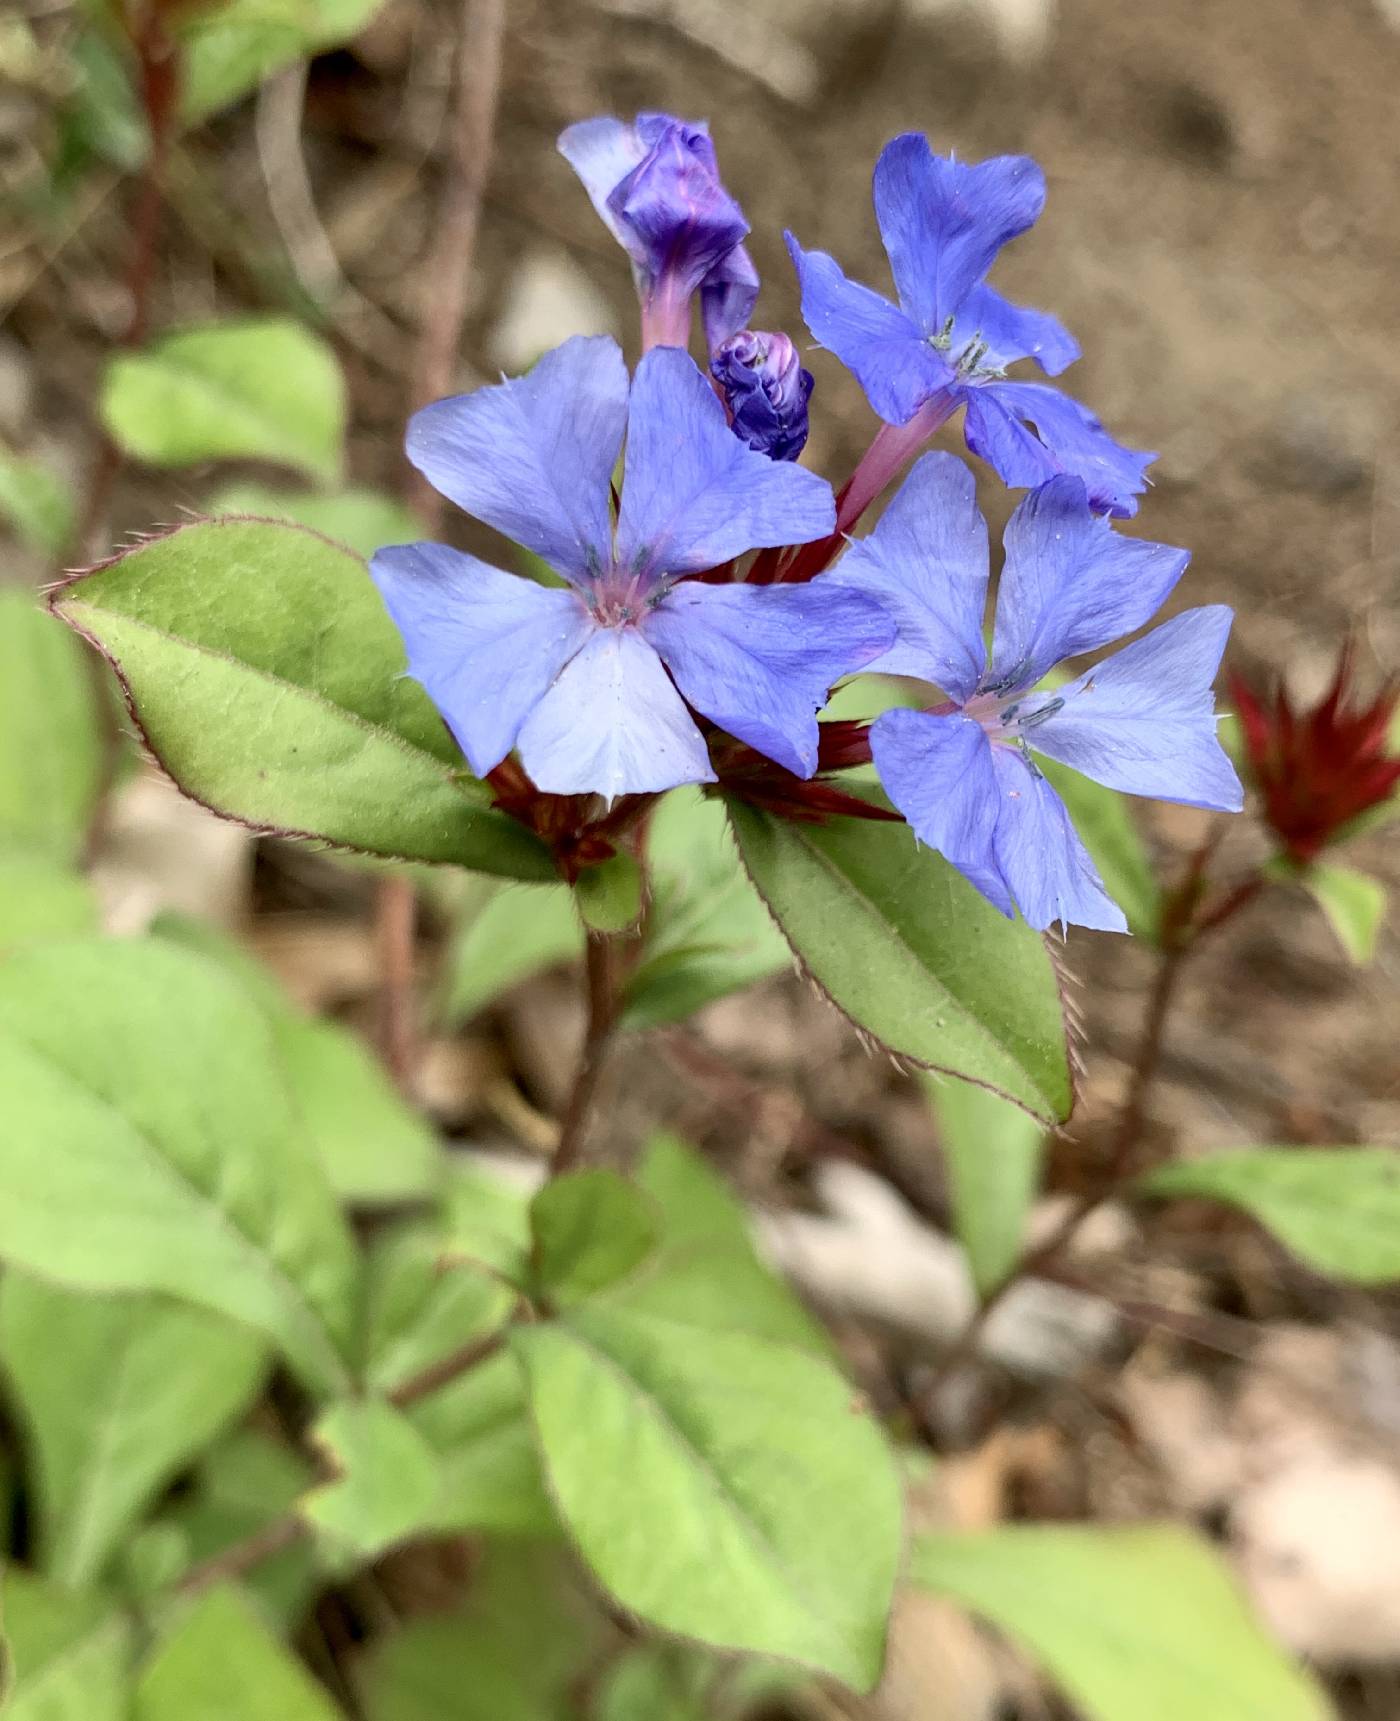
(1041, 857)
(1071, 583)
(1011, 332)
(613, 724)
(877, 342)
(926, 561)
(1144, 719)
(486, 645)
(728, 295)
(943, 221)
(1068, 438)
(533, 457)
(938, 771)
(693, 494)
(602, 152)
(674, 214)
(760, 660)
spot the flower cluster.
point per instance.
(657, 662)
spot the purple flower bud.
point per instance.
(656, 185)
(766, 390)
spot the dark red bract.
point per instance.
(1318, 769)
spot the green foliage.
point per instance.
(706, 932)
(1105, 821)
(1353, 902)
(590, 1229)
(118, 1394)
(221, 1660)
(686, 1464)
(992, 1149)
(50, 747)
(71, 1651)
(418, 1309)
(363, 520)
(232, 47)
(268, 680)
(261, 389)
(1136, 1624)
(38, 900)
(153, 1146)
(610, 895)
(905, 947)
(37, 504)
(506, 933)
(487, 1220)
(1338, 1209)
(387, 1478)
(672, 1682)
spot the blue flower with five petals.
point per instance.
(1141, 721)
(951, 337)
(594, 683)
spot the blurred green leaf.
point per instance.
(262, 389)
(50, 745)
(1136, 1624)
(507, 933)
(673, 1682)
(363, 520)
(37, 503)
(387, 1478)
(706, 932)
(715, 1446)
(117, 1393)
(906, 948)
(221, 1661)
(1353, 902)
(993, 1152)
(268, 680)
(71, 1652)
(1338, 1209)
(417, 1310)
(610, 894)
(591, 1229)
(39, 899)
(232, 47)
(153, 1146)
(487, 1219)
(1110, 833)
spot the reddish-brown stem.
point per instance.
(600, 967)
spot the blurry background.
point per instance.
(1223, 236)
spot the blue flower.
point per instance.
(951, 336)
(576, 678)
(1142, 721)
(656, 185)
(766, 391)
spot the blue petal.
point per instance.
(1071, 583)
(943, 221)
(760, 660)
(938, 771)
(1067, 438)
(926, 561)
(485, 645)
(886, 352)
(1041, 857)
(672, 210)
(533, 457)
(613, 724)
(602, 152)
(728, 295)
(1144, 720)
(693, 495)
(1011, 332)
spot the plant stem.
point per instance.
(600, 977)
(396, 914)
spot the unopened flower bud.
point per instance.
(766, 390)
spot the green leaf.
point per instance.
(221, 1660)
(118, 1394)
(1353, 901)
(507, 933)
(261, 389)
(906, 948)
(269, 682)
(387, 1478)
(591, 1229)
(363, 520)
(231, 48)
(672, 1682)
(610, 894)
(417, 1310)
(487, 1220)
(686, 1465)
(992, 1151)
(706, 933)
(71, 1651)
(50, 746)
(1111, 835)
(1338, 1209)
(37, 503)
(151, 1145)
(1136, 1624)
(40, 900)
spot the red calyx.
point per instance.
(748, 776)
